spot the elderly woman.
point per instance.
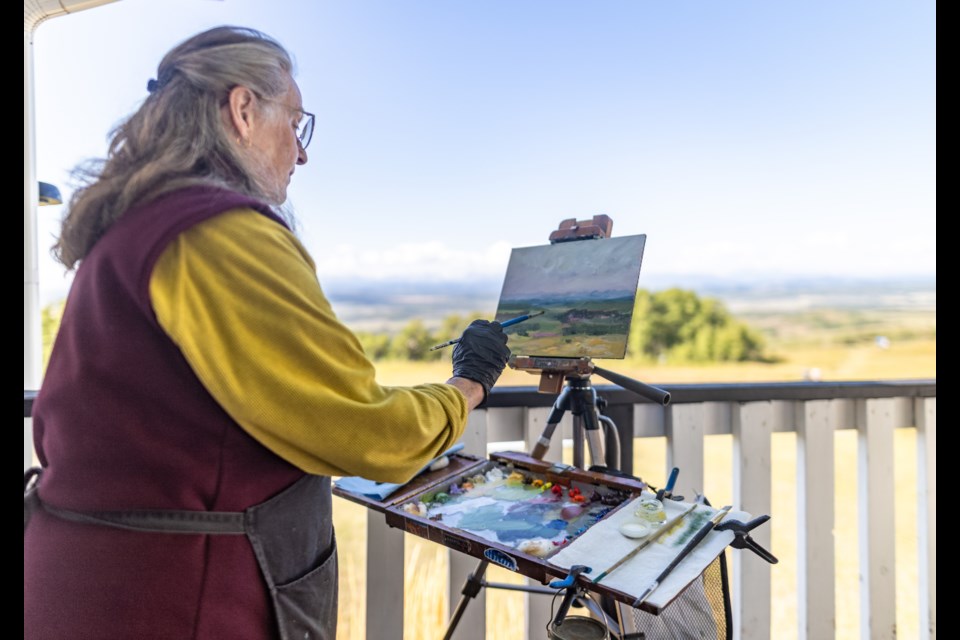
(201, 391)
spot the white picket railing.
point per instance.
(874, 411)
(751, 414)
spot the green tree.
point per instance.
(375, 345)
(677, 324)
(413, 342)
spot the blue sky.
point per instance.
(744, 138)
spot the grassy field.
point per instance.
(426, 600)
(901, 360)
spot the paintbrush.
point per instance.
(669, 524)
(504, 324)
(690, 546)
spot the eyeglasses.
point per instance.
(304, 126)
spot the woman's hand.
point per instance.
(480, 357)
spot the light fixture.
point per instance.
(49, 194)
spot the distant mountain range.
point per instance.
(378, 305)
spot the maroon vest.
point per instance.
(122, 422)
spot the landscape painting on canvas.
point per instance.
(586, 289)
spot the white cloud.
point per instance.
(427, 261)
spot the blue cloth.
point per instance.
(380, 490)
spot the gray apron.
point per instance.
(291, 535)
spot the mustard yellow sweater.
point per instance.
(239, 295)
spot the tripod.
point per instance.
(579, 398)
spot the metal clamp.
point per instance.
(742, 539)
(560, 468)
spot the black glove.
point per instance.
(481, 354)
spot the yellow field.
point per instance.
(426, 603)
(901, 361)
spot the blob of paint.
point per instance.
(636, 529)
(571, 512)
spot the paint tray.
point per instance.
(540, 512)
(528, 539)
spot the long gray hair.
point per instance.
(177, 137)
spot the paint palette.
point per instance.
(513, 510)
(541, 519)
(517, 508)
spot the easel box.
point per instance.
(465, 466)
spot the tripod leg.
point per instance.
(470, 589)
(591, 426)
(556, 414)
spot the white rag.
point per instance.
(602, 545)
(381, 490)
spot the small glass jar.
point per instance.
(650, 510)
